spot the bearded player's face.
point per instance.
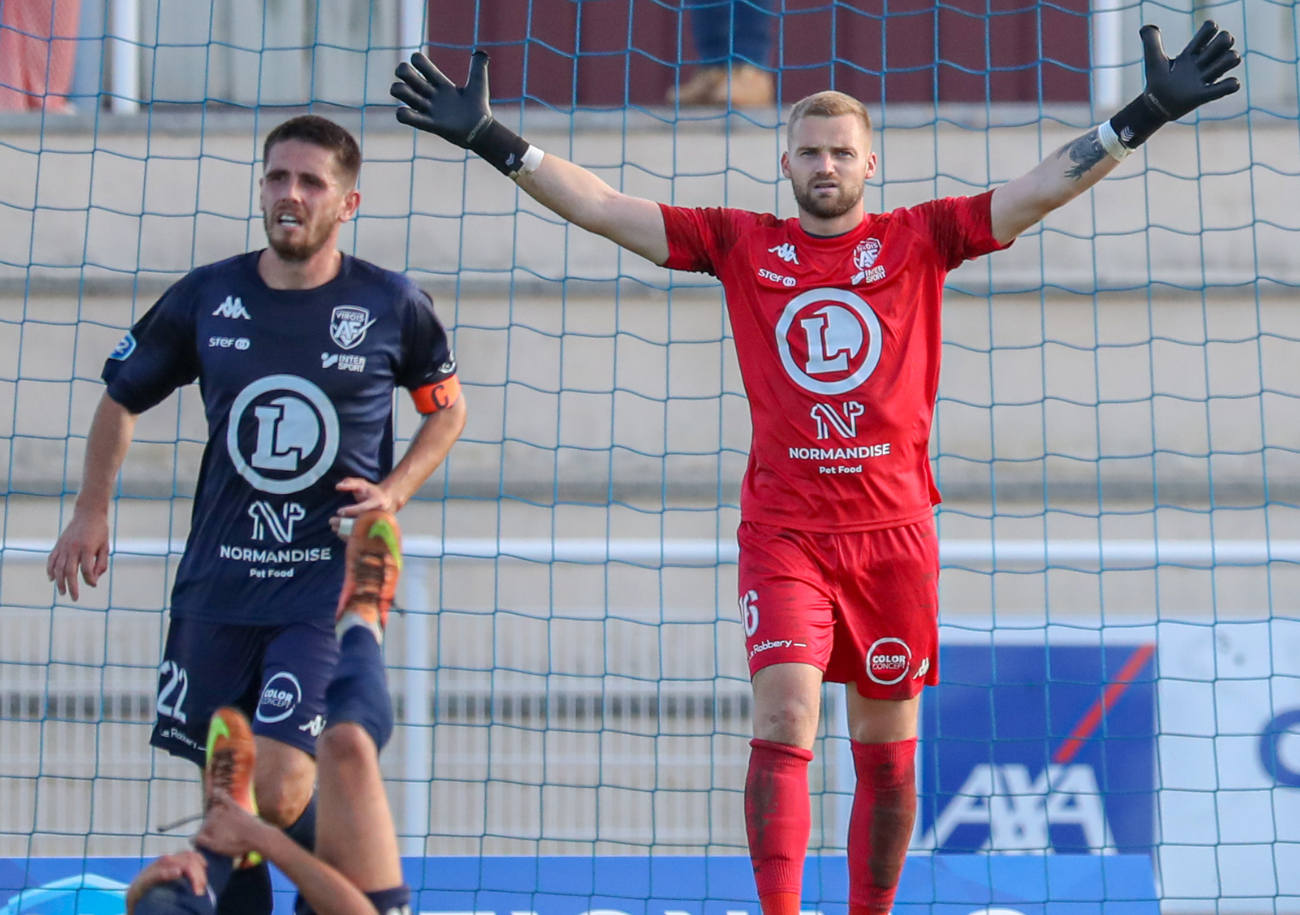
(828, 164)
(305, 199)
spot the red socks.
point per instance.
(778, 818)
(880, 829)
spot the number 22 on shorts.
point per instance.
(171, 694)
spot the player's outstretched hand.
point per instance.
(1191, 79)
(436, 104)
(82, 546)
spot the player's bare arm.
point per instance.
(231, 831)
(463, 116)
(428, 449)
(1174, 88)
(83, 546)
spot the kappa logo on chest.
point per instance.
(348, 325)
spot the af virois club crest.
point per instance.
(865, 254)
(348, 325)
(829, 340)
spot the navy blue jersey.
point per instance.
(298, 388)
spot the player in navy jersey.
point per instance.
(297, 350)
(835, 316)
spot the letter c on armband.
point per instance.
(437, 396)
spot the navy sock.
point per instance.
(174, 898)
(396, 901)
(177, 897)
(248, 892)
(359, 690)
(303, 831)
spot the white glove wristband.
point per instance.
(532, 158)
(1110, 142)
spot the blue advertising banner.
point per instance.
(1040, 749)
(716, 885)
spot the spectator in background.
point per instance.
(38, 48)
(733, 39)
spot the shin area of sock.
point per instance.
(778, 816)
(880, 827)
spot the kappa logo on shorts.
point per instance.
(888, 661)
(280, 697)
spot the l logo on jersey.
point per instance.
(283, 434)
(348, 325)
(829, 340)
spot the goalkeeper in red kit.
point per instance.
(835, 315)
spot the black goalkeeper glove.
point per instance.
(458, 115)
(1175, 87)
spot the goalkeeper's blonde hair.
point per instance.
(828, 104)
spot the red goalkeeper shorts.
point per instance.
(862, 606)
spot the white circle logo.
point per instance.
(829, 340)
(888, 661)
(283, 434)
(280, 697)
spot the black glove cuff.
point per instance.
(1137, 120)
(500, 147)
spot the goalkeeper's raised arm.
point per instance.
(1173, 88)
(463, 116)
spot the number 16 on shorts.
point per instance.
(749, 612)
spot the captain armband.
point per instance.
(437, 396)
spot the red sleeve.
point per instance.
(961, 227)
(698, 239)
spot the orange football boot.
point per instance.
(232, 756)
(371, 566)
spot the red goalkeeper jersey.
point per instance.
(839, 343)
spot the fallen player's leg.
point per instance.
(228, 773)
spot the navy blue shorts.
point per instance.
(276, 675)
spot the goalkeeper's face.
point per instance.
(828, 163)
(305, 199)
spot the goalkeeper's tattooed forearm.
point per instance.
(1085, 152)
